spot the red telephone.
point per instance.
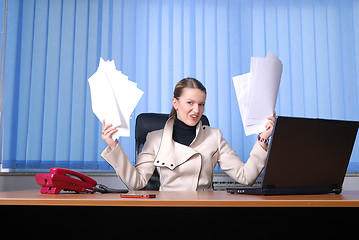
(60, 179)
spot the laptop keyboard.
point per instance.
(222, 181)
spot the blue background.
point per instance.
(53, 47)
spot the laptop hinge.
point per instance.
(335, 188)
(270, 186)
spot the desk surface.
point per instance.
(180, 199)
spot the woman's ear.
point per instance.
(175, 103)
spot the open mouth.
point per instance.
(194, 117)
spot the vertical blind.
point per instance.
(54, 46)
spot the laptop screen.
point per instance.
(309, 152)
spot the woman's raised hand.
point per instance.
(269, 130)
(107, 131)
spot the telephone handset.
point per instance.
(64, 179)
(68, 180)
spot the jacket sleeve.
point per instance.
(245, 173)
(134, 177)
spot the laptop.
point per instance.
(306, 156)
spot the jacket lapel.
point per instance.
(172, 154)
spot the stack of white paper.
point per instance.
(257, 92)
(113, 97)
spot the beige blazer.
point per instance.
(185, 168)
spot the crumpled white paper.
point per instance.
(113, 97)
(257, 92)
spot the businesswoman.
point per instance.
(185, 152)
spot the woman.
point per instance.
(185, 152)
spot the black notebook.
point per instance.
(306, 156)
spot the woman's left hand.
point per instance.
(269, 129)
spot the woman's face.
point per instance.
(190, 105)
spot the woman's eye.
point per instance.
(189, 103)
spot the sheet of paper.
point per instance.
(113, 97)
(241, 83)
(257, 92)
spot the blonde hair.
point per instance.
(185, 83)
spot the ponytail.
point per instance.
(173, 112)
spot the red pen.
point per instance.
(138, 195)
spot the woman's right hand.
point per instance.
(107, 131)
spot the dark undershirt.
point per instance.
(182, 133)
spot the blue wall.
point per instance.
(53, 47)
